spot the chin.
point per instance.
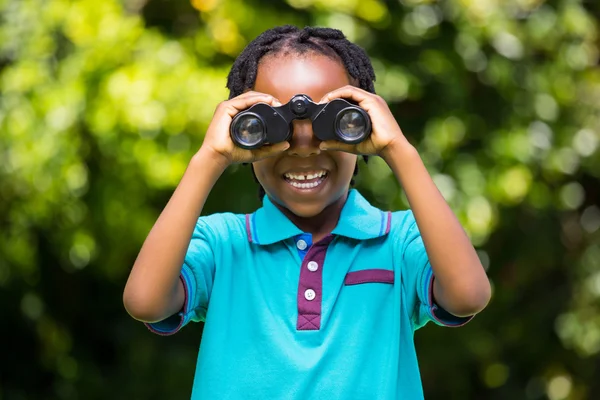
(305, 210)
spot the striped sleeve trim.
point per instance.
(438, 314)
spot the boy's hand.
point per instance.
(384, 132)
(218, 139)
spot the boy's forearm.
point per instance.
(153, 291)
(461, 286)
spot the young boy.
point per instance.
(317, 294)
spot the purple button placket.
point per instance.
(309, 309)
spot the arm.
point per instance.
(154, 291)
(461, 286)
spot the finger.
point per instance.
(251, 93)
(246, 94)
(347, 92)
(338, 146)
(238, 104)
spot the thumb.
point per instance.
(281, 147)
(338, 146)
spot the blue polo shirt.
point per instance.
(286, 318)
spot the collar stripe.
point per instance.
(248, 232)
(389, 222)
(386, 223)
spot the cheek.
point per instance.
(262, 171)
(347, 164)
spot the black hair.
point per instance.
(288, 39)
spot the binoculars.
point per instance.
(336, 120)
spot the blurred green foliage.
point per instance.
(102, 104)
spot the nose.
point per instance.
(303, 142)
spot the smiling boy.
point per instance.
(317, 294)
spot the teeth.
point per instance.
(305, 177)
(305, 185)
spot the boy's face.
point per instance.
(303, 179)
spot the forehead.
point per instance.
(312, 74)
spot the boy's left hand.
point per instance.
(385, 131)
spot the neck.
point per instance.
(321, 224)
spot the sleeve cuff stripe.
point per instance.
(432, 307)
(167, 332)
(162, 332)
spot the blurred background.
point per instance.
(102, 104)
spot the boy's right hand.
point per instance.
(218, 139)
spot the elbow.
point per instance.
(467, 309)
(484, 295)
(469, 301)
(475, 300)
(141, 307)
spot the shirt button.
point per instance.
(301, 244)
(313, 266)
(309, 294)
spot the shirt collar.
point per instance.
(358, 220)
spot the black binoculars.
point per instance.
(336, 120)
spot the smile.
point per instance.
(305, 180)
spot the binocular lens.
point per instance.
(249, 130)
(352, 124)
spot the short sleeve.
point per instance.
(419, 278)
(197, 273)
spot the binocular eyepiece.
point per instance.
(337, 120)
